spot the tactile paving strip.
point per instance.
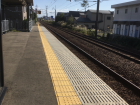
(88, 86)
(64, 91)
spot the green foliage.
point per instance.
(60, 17)
(25, 20)
(14, 30)
(70, 21)
(90, 32)
(85, 4)
(130, 42)
(35, 17)
(103, 35)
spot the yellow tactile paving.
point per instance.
(64, 91)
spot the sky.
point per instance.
(66, 5)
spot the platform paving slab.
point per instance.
(26, 72)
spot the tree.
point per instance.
(60, 17)
(85, 4)
(70, 21)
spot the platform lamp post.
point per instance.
(1, 54)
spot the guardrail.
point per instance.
(5, 25)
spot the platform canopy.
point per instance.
(17, 2)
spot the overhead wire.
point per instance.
(53, 3)
(93, 4)
(67, 5)
(70, 6)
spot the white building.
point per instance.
(127, 19)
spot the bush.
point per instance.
(108, 35)
(103, 35)
(130, 42)
(90, 33)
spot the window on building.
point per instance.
(126, 11)
(108, 18)
(117, 11)
(136, 10)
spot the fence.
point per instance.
(31, 23)
(5, 25)
(17, 25)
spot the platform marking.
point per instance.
(64, 90)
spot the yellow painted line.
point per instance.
(64, 91)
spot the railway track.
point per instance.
(122, 51)
(123, 80)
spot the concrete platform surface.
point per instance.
(26, 72)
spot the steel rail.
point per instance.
(128, 54)
(123, 80)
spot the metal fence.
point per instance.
(31, 23)
(5, 25)
(17, 25)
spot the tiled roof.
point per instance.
(75, 13)
(101, 11)
(85, 20)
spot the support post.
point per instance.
(28, 17)
(1, 55)
(96, 24)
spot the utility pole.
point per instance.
(55, 12)
(47, 12)
(96, 24)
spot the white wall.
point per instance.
(129, 16)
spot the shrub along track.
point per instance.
(130, 96)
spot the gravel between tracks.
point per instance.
(122, 90)
(119, 64)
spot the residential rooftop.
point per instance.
(101, 11)
(136, 2)
(75, 13)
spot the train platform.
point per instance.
(40, 70)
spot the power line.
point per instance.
(93, 4)
(67, 5)
(70, 6)
(53, 3)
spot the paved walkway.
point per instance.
(25, 69)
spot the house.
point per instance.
(66, 14)
(84, 20)
(14, 12)
(105, 19)
(127, 19)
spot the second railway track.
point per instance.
(122, 51)
(125, 81)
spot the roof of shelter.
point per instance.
(17, 2)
